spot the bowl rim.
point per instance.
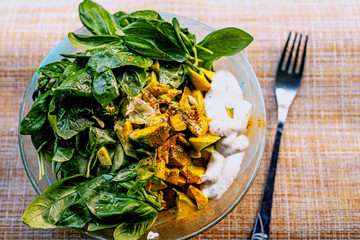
(259, 152)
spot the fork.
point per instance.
(287, 82)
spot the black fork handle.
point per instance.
(261, 230)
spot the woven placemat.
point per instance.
(317, 193)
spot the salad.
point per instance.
(126, 128)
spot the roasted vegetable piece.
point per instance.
(181, 181)
(199, 97)
(178, 157)
(155, 67)
(186, 206)
(103, 156)
(153, 136)
(198, 196)
(199, 143)
(199, 82)
(177, 123)
(157, 184)
(123, 131)
(208, 74)
(194, 174)
(172, 175)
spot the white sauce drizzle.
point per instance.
(226, 160)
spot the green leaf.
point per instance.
(110, 59)
(96, 18)
(76, 85)
(54, 70)
(224, 42)
(171, 75)
(148, 40)
(107, 201)
(63, 150)
(127, 231)
(132, 80)
(71, 118)
(76, 214)
(143, 176)
(120, 19)
(144, 14)
(54, 198)
(99, 137)
(36, 117)
(94, 225)
(119, 159)
(105, 88)
(127, 173)
(92, 42)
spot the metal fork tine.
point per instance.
(296, 55)
(290, 55)
(301, 69)
(283, 53)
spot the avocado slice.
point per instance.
(103, 156)
(199, 82)
(186, 206)
(153, 136)
(123, 131)
(202, 142)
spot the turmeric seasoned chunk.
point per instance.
(182, 181)
(194, 174)
(172, 175)
(199, 82)
(199, 143)
(198, 196)
(177, 123)
(153, 136)
(178, 157)
(186, 206)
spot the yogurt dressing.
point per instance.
(229, 152)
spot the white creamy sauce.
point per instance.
(151, 235)
(226, 160)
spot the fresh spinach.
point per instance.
(92, 42)
(110, 59)
(132, 80)
(52, 202)
(126, 231)
(36, 117)
(172, 75)
(96, 18)
(224, 42)
(54, 70)
(76, 85)
(104, 87)
(149, 40)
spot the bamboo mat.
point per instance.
(317, 192)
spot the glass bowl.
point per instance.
(216, 210)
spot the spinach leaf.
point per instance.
(36, 117)
(149, 40)
(127, 231)
(144, 14)
(109, 59)
(119, 159)
(99, 137)
(104, 87)
(95, 225)
(55, 198)
(63, 150)
(106, 200)
(76, 85)
(143, 176)
(120, 19)
(70, 118)
(71, 69)
(54, 70)
(132, 80)
(171, 75)
(92, 42)
(127, 173)
(76, 214)
(224, 42)
(178, 35)
(96, 18)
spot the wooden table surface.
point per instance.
(317, 192)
